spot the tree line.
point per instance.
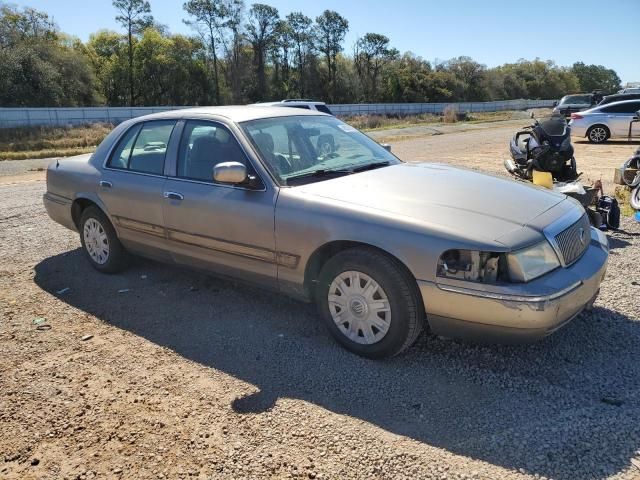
(242, 54)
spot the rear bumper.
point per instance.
(578, 130)
(59, 209)
(506, 318)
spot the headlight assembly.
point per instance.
(529, 263)
(493, 267)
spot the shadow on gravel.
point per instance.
(620, 141)
(567, 407)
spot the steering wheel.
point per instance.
(282, 164)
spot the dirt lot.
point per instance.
(189, 376)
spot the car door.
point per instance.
(132, 184)
(619, 117)
(225, 228)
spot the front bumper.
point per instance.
(541, 307)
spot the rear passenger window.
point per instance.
(622, 108)
(144, 147)
(323, 109)
(205, 144)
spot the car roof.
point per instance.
(607, 105)
(235, 113)
(622, 102)
(283, 103)
(623, 95)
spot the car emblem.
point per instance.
(582, 236)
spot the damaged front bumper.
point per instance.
(516, 313)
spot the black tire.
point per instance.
(594, 134)
(406, 308)
(116, 258)
(634, 200)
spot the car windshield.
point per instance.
(573, 99)
(312, 148)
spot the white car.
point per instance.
(298, 103)
(601, 123)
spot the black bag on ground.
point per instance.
(610, 211)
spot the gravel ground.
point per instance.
(183, 375)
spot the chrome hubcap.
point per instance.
(598, 134)
(359, 307)
(96, 241)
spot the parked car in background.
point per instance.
(576, 103)
(382, 246)
(619, 97)
(631, 88)
(605, 121)
(302, 103)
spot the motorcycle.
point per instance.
(544, 146)
(630, 176)
(543, 154)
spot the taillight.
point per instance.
(575, 116)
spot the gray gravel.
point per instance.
(189, 376)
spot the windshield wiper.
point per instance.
(318, 173)
(370, 166)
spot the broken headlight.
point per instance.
(491, 267)
(472, 266)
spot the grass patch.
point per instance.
(388, 121)
(623, 195)
(43, 142)
(47, 153)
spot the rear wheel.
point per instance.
(100, 242)
(370, 304)
(598, 134)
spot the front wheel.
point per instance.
(100, 242)
(598, 134)
(370, 304)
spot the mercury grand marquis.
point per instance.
(384, 247)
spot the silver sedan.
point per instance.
(383, 247)
(601, 123)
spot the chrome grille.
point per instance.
(574, 240)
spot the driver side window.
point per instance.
(205, 144)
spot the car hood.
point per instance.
(458, 202)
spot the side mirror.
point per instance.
(555, 103)
(230, 172)
(386, 146)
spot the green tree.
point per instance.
(330, 32)
(470, 74)
(133, 16)
(107, 52)
(301, 31)
(371, 53)
(39, 65)
(596, 77)
(209, 17)
(262, 34)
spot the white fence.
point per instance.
(21, 117)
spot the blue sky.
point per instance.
(490, 31)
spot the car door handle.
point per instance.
(105, 184)
(173, 195)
